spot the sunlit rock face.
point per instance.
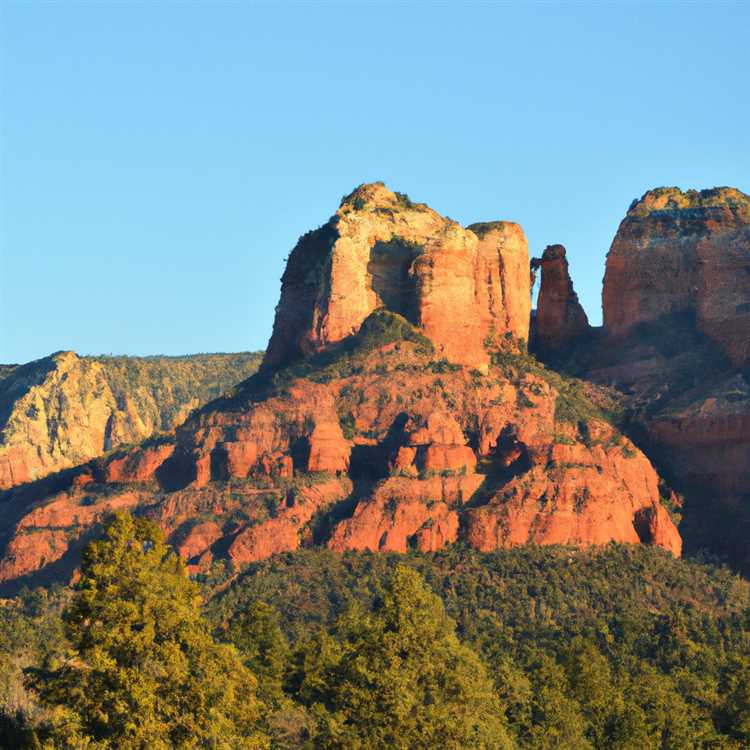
(460, 287)
(62, 410)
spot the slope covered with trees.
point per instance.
(532, 648)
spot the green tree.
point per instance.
(737, 704)
(399, 678)
(557, 721)
(258, 636)
(145, 672)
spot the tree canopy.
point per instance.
(144, 671)
(399, 678)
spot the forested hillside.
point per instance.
(622, 647)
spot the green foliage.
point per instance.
(348, 425)
(383, 327)
(623, 648)
(170, 383)
(618, 649)
(577, 400)
(398, 677)
(31, 632)
(688, 199)
(258, 636)
(144, 670)
(405, 201)
(380, 328)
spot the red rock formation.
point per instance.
(583, 496)
(435, 445)
(284, 532)
(328, 450)
(680, 264)
(63, 410)
(197, 544)
(405, 512)
(381, 250)
(684, 252)
(46, 533)
(378, 444)
(138, 464)
(560, 319)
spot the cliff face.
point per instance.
(63, 410)
(459, 286)
(560, 319)
(394, 410)
(686, 252)
(676, 341)
(382, 448)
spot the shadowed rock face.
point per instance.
(560, 318)
(393, 411)
(681, 252)
(458, 286)
(676, 340)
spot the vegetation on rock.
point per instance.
(64, 410)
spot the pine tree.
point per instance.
(145, 671)
(399, 678)
(258, 635)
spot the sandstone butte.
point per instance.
(684, 252)
(676, 340)
(395, 409)
(63, 410)
(458, 286)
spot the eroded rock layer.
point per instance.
(381, 448)
(676, 341)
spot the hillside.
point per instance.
(620, 648)
(63, 410)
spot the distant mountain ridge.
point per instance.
(63, 410)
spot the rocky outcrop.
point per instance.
(560, 319)
(583, 495)
(407, 423)
(63, 410)
(676, 339)
(701, 439)
(685, 252)
(380, 250)
(386, 449)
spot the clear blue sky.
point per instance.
(159, 160)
